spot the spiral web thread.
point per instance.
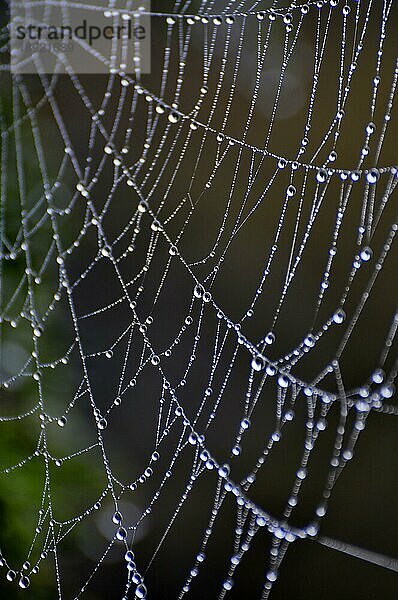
(200, 138)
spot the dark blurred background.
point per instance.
(362, 510)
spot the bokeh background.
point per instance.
(363, 507)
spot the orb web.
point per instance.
(198, 309)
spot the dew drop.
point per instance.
(117, 517)
(339, 316)
(366, 254)
(236, 450)
(309, 341)
(121, 534)
(312, 529)
(270, 370)
(245, 424)
(261, 521)
(136, 578)
(141, 591)
(258, 363)
(198, 291)
(302, 473)
(378, 376)
(283, 381)
(291, 190)
(173, 117)
(270, 338)
(24, 582)
(282, 163)
(192, 439)
(224, 470)
(387, 391)
(321, 176)
(372, 176)
(332, 156)
(102, 424)
(362, 406)
(228, 584)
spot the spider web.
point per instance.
(197, 276)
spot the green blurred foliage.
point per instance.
(21, 489)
